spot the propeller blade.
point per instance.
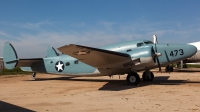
(155, 48)
(155, 39)
(159, 64)
(153, 54)
(156, 52)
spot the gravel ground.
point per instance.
(177, 91)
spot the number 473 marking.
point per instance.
(176, 52)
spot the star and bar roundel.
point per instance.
(59, 66)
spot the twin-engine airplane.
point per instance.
(117, 59)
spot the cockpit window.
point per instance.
(140, 44)
(144, 43)
(148, 42)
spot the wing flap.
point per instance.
(96, 57)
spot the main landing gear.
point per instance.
(33, 76)
(134, 79)
(147, 76)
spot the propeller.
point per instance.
(156, 53)
(155, 39)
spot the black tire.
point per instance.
(146, 78)
(133, 79)
(169, 69)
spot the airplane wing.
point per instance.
(95, 57)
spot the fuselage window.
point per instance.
(67, 64)
(128, 50)
(76, 62)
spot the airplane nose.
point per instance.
(191, 50)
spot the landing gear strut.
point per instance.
(148, 76)
(33, 75)
(133, 78)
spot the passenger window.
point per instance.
(140, 44)
(67, 64)
(128, 50)
(76, 62)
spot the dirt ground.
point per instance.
(177, 91)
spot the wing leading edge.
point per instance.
(95, 57)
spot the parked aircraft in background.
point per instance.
(1, 63)
(195, 58)
(117, 59)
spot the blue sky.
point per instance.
(33, 25)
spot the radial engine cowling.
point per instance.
(146, 56)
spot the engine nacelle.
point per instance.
(145, 55)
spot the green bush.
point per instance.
(193, 66)
(13, 71)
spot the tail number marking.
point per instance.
(174, 53)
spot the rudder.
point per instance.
(10, 57)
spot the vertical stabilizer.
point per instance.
(51, 52)
(9, 56)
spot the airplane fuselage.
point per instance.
(141, 49)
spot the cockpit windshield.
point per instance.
(144, 43)
(140, 44)
(148, 42)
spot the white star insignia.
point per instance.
(81, 52)
(59, 66)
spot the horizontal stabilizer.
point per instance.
(28, 62)
(11, 60)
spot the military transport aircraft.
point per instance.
(117, 59)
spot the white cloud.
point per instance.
(5, 35)
(32, 45)
(33, 26)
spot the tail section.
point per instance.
(11, 60)
(51, 52)
(9, 56)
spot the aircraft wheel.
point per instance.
(133, 78)
(145, 76)
(169, 69)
